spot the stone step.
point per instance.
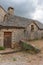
(9, 51)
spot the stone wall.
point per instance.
(36, 34)
(17, 35)
(2, 13)
(1, 38)
(41, 34)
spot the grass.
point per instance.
(2, 48)
(14, 59)
(29, 48)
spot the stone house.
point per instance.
(14, 28)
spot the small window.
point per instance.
(32, 28)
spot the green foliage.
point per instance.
(14, 59)
(29, 47)
(2, 48)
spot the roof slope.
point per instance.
(3, 8)
(20, 22)
(40, 25)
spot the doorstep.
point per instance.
(9, 51)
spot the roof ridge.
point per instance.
(22, 17)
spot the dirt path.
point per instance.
(23, 58)
(37, 43)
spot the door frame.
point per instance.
(11, 37)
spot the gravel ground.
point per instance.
(23, 58)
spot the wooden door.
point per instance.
(7, 39)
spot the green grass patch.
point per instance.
(14, 59)
(2, 48)
(29, 48)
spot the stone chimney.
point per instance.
(11, 11)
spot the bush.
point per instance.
(29, 47)
(14, 59)
(36, 50)
(2, 48)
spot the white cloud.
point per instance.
(35, 2)
(17, 1)
(27, 8)
(38, 14)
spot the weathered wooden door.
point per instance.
(7, 39)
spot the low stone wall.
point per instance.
(16, 46)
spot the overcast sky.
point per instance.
(26, 8)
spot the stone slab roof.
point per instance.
(16, 21)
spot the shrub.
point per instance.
(29, 47)
(2, 48)
(14, 59)
(36, 50)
